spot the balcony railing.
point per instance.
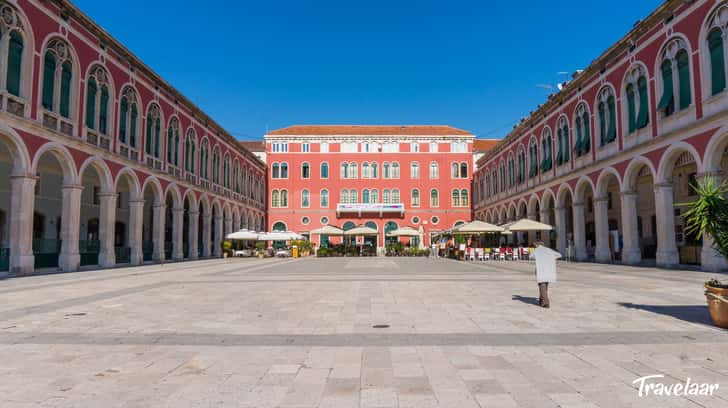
(154, 163)
(52, 121)
(98, 139)
(365, 208)
(12, 104)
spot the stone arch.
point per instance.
(59, 151)
(76, 68)
(562, 194)
(173, 190)
(629, 180)
(532, 205)
(669, 157)
(717, 147)
(190, 198)
(102, 169)
(132, 179)
(153, 183)
(25, 29)
(603, 181)
(581, 189)
(18, 151)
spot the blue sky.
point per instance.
(257, 65)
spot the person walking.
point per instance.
(545, 271)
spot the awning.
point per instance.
(477, 227)
(527, 225)
(360, 231)
(328, 230)
(279, 236)
(243, 235)
(404, 232)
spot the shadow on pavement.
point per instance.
(688, 313)
(526, 299)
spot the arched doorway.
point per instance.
(371, 242)
(640, 221)
(608, 218)
(389, 227)
(153, 225)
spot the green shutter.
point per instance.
(187, 154)
(666, 102)
(586, 141)
(148, 144)
(631, 117)
(612, 133)
(565, 132)
(49, 80)
(559, 154)
(717, 61)
(577, 142)
(157, 136)
(192, 159)
(124, 108)
(602, 124)
(65, 104)
(104, 107)
(170, 140)
(15, 63)
(91, 103)
(176, 150)
(643, 117)
(683, 69)
(133, 126)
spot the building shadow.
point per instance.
(526, 299)
(688, 313)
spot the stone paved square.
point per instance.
(299, 333)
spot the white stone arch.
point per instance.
(153, 107)
(603, 181)
(522, 204)
(667, 161)
(631, 75)
(102, 169)
(561, 195)
(629, 181)
(204, 202)
(512, 212)
(533, 203)
(153, 183)
(716, 18)
(18, 151)
(132, 180)
(715, 150)
(130, 90)
(19, 22)
(605, 91)
(548, 200)
(581, 188)
(173, 190)
(65, 160)
(190, 197)
(91, 69)
(76, 71)
(173, 121)
(216, 206)
(502, 215)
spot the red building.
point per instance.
(381, 176)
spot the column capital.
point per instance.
(72, 187)
(107, 194)
(178, 210)
(136, 202)
(158, 206)
(218, 217)
(604, 199)
(559, 208)
(28, 176)
(628, 193)
(663, 186)
(193, 213)
(578, 204)
(718, 174)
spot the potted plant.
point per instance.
(708, 215)
(227, 249)
(260, 246)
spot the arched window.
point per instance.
(582, 144)
(374, 170)
(374, 196)
(716, 49)
(395, 196)
(275, 172)
(434, 171)
(456, 198)
(97, 100)
(353, 171)
(386, 170)
(57, 78)
(128, 118)
(344, 196)
(415, 198)
(395, 170)
(154, 130)
(11, 26)
(463, 170)
(173, 142)
(503, 175)
(305, 170)
(386, 197)
(344, 170)
(464, 202)
(324, 170)
(365, 196)
(279, 226)
(675, 69)
(414, 170)
(562, 136)
(454, 170)
(190, 148)
(275, 200)
(324, 199)
(305, 198)
(284, 170)
(353, 196)
(521, 167)
(365, 170)
(434, 198)
(607, 117)
(204, 160)
(511, 172)
(637, 105)
(495, 181)
(284, 198)
(235, 176)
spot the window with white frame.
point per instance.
(414, 170)
(349, 147)
(324, 147)
(433, 147)
(279, 147)
(414, 147)
(390, 147)
(305, 147)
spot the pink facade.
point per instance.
(361, 196)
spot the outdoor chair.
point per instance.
(479, 253)
(470, 253)
(486, 254)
